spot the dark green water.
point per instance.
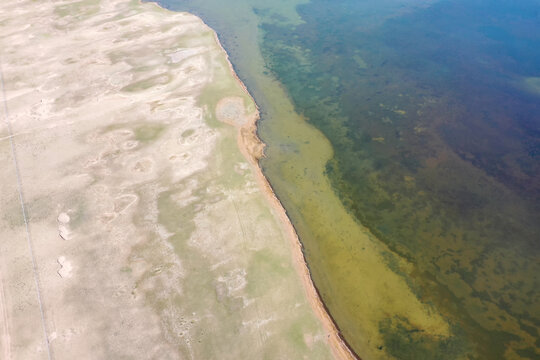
(432, 109)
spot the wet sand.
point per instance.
(253, 149)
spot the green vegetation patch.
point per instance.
(78, 9)
(149, 132)
(265, 268)
(144, 84)
(404, 341)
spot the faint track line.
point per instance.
(261, 336)
(23, 209)
(6, 340)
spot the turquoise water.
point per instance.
(432, 111)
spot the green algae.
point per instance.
(187, 133)
(448, 244)
(445, 215)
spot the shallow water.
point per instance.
(419, 207)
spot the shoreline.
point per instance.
(340, 347)
(252, 147)
(151, 220)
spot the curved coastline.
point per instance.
(339, 345)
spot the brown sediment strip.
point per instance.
(252, 148)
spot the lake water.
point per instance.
(404, 142)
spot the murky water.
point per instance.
(404, 140)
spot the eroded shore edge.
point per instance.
(248, 141)
(252, 147)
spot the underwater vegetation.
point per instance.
(432, 111)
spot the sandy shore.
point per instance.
(132, 225)
(253, 149)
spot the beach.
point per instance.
(136, 222)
